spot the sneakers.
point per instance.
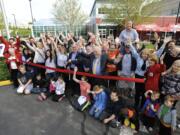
(150, 129)
(143, 129)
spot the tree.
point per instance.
(136, 10)
(1, 21)
(69, 12)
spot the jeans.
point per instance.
(50, 75)
(95, 111)
(38, 90)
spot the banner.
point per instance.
(2, 47)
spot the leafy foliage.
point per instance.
(136, 10)
(4, 73)
(69, 12)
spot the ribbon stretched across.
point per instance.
(106, 77)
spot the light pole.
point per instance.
(5, 18)
(32, 31)
(15, 20)
(177, 17)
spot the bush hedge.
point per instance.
(4, 72)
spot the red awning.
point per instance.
(156, 28)
(174, 28)
(148, 27)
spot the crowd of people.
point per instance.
(106, 100)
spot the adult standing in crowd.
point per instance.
(128, 34)
(98, 65)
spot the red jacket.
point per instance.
(7, 44)
(152, 77)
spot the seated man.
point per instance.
(111, 113)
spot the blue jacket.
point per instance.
(147, 109)
(100, 100)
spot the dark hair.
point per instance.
(51, 57)
(12, 38)
(117, 92)
(167, 46)
(31, 37)
(39, 74)
(23, 43)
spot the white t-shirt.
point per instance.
(39, 56)
(60, 87)
(13, 64)
(51, 64)
(61, 59)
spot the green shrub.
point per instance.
(4, 72)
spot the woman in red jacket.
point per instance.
(13, 61)
(153, 73)
(11, 43)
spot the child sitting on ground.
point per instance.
(25, 81)
(56, 90)
(100, 99)
(167, 117)
(150, 109)
(39, 85)
(83, 101)
(130, 121)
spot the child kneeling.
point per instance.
(25, 81)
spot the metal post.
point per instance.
(177, 18)
(32, 31)
(5, 18)
(15, 20)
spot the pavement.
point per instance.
(24, 115)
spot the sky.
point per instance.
(42, 9)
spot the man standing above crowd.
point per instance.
(128, 35)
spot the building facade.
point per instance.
(97, 22)
(55, 27)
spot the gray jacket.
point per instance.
(169, 118)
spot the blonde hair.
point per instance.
(169, 98)
(39, 45)
(177, 62)
(153, 57)
(96, 88)
(145, 52)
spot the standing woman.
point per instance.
(171, 81)
(61, 56)
(39, 57)
(142, 64)
(50, 62)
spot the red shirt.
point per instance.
(84, 87)
(152, 77)
(112, 54)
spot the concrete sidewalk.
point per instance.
(24, 115)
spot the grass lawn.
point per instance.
(4, 73)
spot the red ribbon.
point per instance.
(88, 74)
